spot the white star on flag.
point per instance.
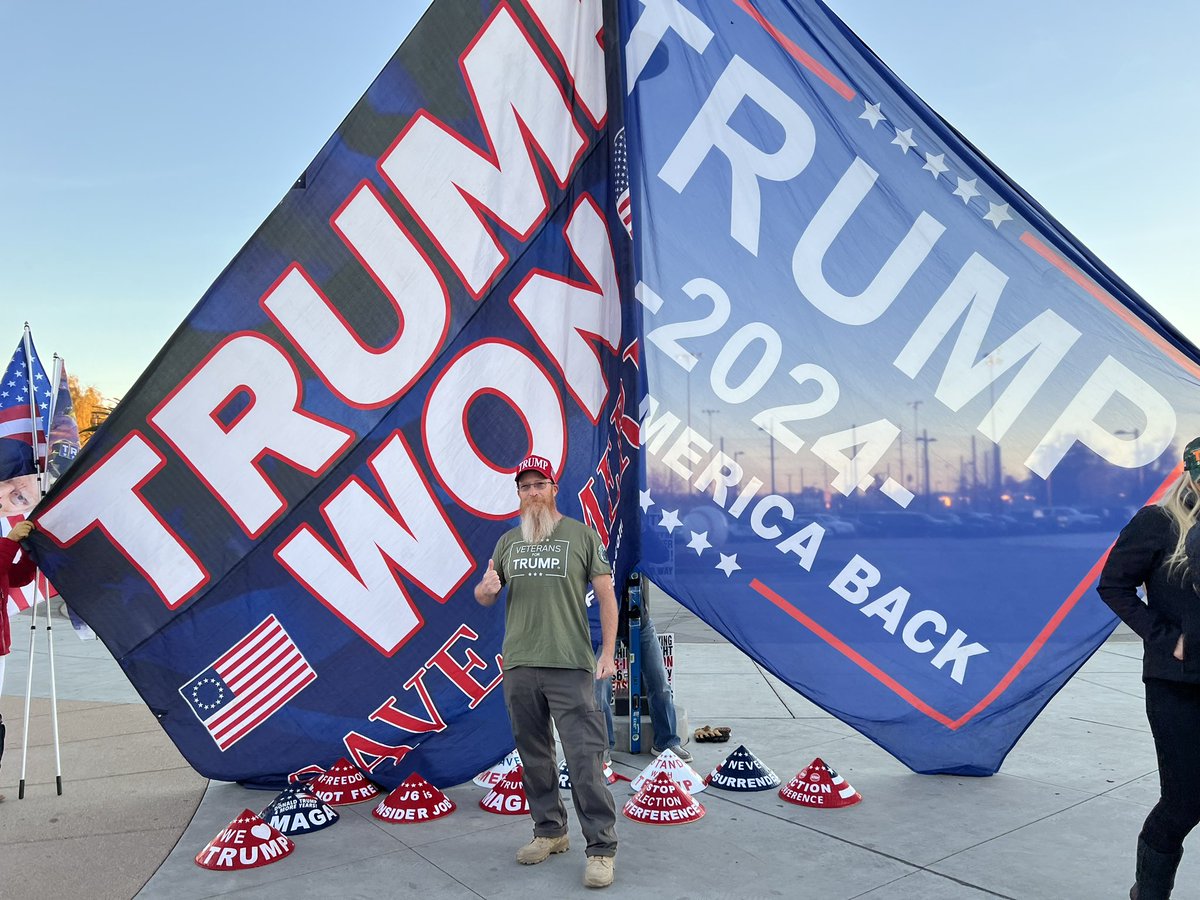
(997, 213)
(935, 165)
(699, 542)
(904, 140)
(966, 190)
(645, 500)
(728, 564)
(670, 520)
(872, 114)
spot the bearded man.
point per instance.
(546, 563)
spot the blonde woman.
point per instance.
(1152, 551)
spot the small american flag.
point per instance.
(248, 683)
(16, 415)
(621, 182)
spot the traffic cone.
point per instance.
(819, 786)
(414, 800)
(246, 843)
(661, 801)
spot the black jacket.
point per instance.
(1171, 608)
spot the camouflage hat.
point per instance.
(1191, 458)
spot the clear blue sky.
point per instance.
(145, 141)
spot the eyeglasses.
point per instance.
(532, 486)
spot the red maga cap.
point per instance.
(538, 464)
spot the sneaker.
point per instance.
(599, 872)
(539, 848)
(679, 750)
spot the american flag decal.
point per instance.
(16, 416)
(251, 681)
(621, 182)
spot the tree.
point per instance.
(90, 406)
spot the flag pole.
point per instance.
(34, 421)
(45, 582)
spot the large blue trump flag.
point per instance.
(800, 353)
(894, 413)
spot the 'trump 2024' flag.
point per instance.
(895, 413)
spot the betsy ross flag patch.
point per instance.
(248, 683)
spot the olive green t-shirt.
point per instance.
(546, 620)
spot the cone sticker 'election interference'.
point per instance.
(246, 843)
(742, 771)
(508, 797)
(296, 811)
(683, 774)
(343, 784)
(414, 800)
(820, 786)
(489, 778)
(661, 801)
(564, 775)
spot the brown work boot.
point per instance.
(539, 848)
(599, 872)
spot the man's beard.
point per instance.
(538, 519)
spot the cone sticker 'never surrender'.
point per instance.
(343, 784)
(683, 774)
(414, 800)
(246, 843)
(508, 797)
(489, 778)
(661, 801)
(742, 771)
(818, 785)
(564, 775)
(296, 811)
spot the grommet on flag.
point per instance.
(564, 775)
(414, 800)
(341, 784)
(820, 786)
(489, 778)
(661, 801)
(246, 843)
(683, 774)
(742, 771)
(508, 797)
(297, 811)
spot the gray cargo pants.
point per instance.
(533, 695)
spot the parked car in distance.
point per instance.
(1067, 518)
(835, 526)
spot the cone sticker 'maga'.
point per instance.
(343, 784)
(508, 797)
(661, 801)
(413, 800)
(564, 775)
(683, 774)
(742, 771)
(296, 811)
(489, 778)
(247, 843)
(818, 785)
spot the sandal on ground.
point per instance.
(706, 734)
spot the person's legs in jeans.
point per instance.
(656, 689)
(604, 695)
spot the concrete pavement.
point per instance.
(1059, 821)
